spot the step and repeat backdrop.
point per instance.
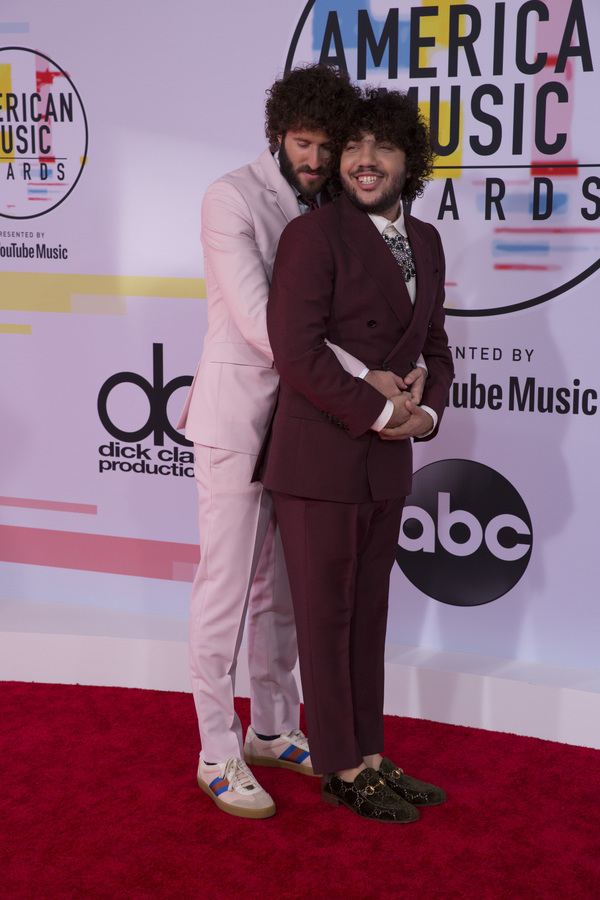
(114, 118)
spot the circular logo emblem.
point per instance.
(507, 89)
(466, 534)
(43, 134)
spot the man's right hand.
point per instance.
(386, 383)
(419, 423)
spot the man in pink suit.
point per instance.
(365, 276)
(226, 415)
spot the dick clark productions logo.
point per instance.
(466, 534)
(157, 395)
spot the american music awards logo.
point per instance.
(43, 134)
(509, 89)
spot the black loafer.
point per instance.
(368, 796)
(410, 789)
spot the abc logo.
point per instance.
(466, 534)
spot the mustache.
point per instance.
(366, 170)
(309, 171)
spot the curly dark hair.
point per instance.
(395, 117)
(314, 96)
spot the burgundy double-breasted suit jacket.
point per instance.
(335, 278)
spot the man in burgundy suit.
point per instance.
(360, 274)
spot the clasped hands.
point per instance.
(408, 419)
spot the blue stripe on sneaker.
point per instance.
(219, 785)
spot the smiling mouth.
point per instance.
(366, 177)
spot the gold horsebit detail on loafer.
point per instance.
(369, 789)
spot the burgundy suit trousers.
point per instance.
(339, 557)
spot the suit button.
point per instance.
(385, 367)
(371, 323)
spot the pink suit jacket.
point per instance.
(231, 397)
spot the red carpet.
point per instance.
(99, 800)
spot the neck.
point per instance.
(394, 213)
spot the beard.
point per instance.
(291, 174)
(383, 202)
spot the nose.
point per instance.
(317, 156)
(366, 155)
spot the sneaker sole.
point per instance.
(278, 764)
(242, 811)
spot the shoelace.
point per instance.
(239, 776)
(297, 738)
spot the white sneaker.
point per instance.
(235, 790)
(288, 751)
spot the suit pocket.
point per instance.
(239, 354)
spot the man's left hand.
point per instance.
(418, 423)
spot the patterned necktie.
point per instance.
(401, 251)
(312, 204)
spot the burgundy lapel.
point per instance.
(421, 250)
(365, 241)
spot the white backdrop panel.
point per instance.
(173, 98)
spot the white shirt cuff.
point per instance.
(384, 417)
(434, 416)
